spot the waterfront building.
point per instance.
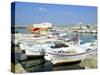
(41, 28)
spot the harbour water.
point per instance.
(41, 65)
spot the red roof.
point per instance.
(35, 29)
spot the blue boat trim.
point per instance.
(72, 54)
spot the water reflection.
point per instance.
(40, 65)
(37, 65)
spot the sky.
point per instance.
(30, 13)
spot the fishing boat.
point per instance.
(32, 49)
(35, 47)
(70, 54)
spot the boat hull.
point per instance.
(62, 58)
(33, 53)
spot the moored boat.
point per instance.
(70, 54)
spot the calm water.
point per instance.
(87, 37)
(21, 30)
(40, 65)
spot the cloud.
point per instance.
(42, 9)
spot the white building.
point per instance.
(43, 25)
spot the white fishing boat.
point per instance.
(70, 54)
(35, 47)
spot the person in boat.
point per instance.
(75, 38)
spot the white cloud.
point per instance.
(42, 9)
